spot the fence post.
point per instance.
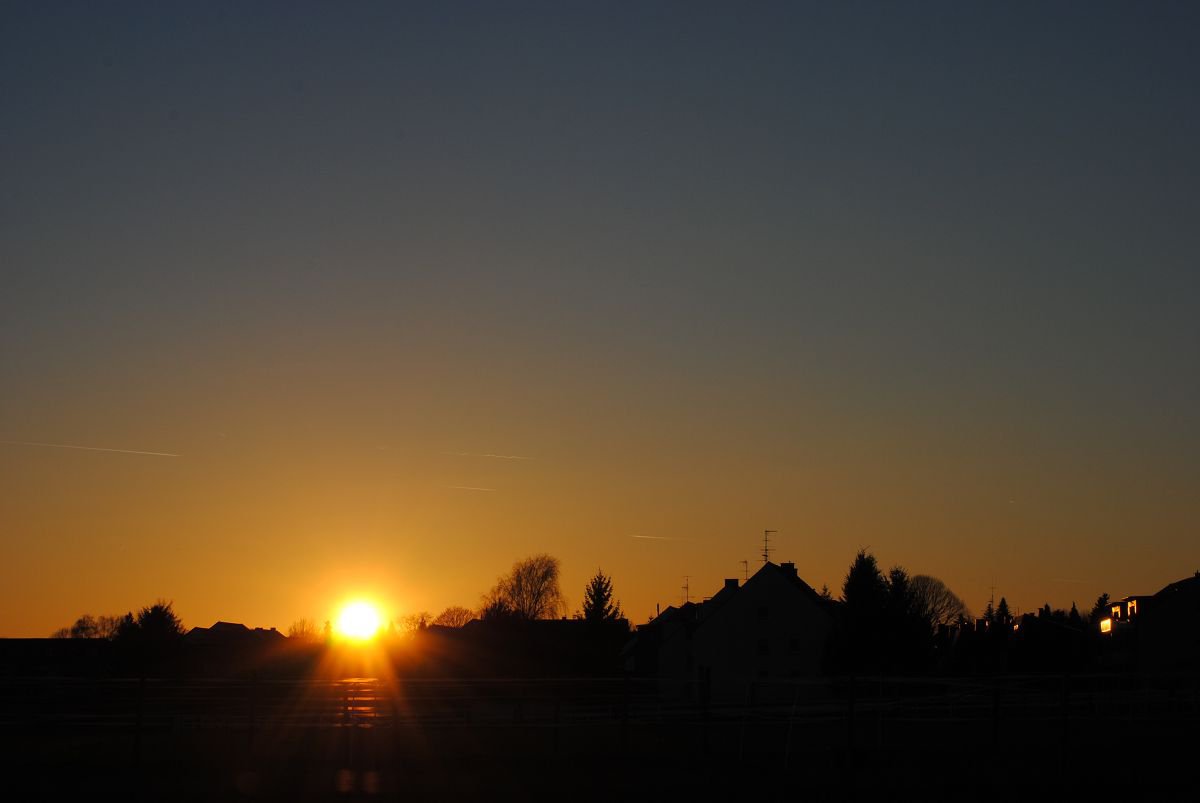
(995, 711)
(1066, 710)
(625, 694)
(137, 727)
(557, 720)
(850, 714)
(252, 691)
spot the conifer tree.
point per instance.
(598, 605)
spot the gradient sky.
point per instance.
(921, 282)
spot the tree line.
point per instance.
(530, 590)
(894, 622)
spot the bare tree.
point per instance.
(454, 616)
(85, 627)
(88, 626)
(529, 591)
(410, 624)
(935, 602)
(107, 627)
(304, 630)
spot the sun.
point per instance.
(359, 621)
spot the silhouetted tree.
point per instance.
(85, 627)
(598, 605)
(908, 633)
(303, 630)
(150, 637)
(825, 594)
(495, 608)
(1100, 610)
(1074, 619)
(107, 627)
(529, 591)
(898, 607)
(935, 602)
(864, 591)
(127, 629)
(158, 623)
(88, 626)
(1003, 615)
(454, 616)
(864, 598)
(413, 623)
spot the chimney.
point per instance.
(789, 567)
(731, 583)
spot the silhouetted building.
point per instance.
(1169, 629)
(775, 626)
(1124, 613)
(233, 633)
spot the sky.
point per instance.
(376, 299)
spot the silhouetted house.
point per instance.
(230, 648)
(231, 633)
(1169, 629)
(1124, 613)
(775, 626)
(1044, 644)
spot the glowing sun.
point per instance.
(359, 620)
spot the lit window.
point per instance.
(1132, 608)
(1106, 625)
(1116, 612)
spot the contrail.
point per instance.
(88, 448)
(493, 456)
(469, 488)
(656, 538)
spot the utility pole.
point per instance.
(686, 589)
(767, 545)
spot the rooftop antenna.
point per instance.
(745, 570)
(685, 586)
(767, 545)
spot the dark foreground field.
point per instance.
(365, 739)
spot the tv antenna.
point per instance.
(745, 570)
(767, 545)
(686, 588)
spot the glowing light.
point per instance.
(1106, 625)
(359, 621)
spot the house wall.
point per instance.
(770, 630)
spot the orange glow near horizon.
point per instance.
(359, 621)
